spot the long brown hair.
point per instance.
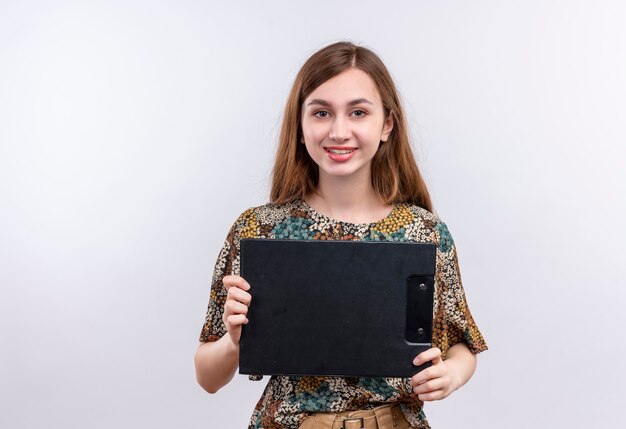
(395, 176)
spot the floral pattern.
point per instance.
(287, 400)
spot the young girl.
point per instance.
(344, 170)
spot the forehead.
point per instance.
(348, 85)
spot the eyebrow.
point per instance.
(325, 103)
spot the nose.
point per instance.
(340, 129)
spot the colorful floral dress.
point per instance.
(287, 400)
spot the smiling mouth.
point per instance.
(339, 151)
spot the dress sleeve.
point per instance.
(227, 263)
(453, 323)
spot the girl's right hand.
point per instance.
(236, 306)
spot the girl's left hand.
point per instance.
(437, 381)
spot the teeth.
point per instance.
(340, 152)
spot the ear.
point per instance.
(387, 128)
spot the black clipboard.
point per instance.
(336, 308)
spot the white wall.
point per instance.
(134, 132)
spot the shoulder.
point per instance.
(266, 215)
(271, 212)
(423, 214)
(432, 225)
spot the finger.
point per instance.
(233, 307)
(432, 354)
(429, 373)
(235, 320)
(426, 356)
(236, 294)
(430, 386)
(432, 396)
(238, 281)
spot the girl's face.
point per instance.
(343, 123)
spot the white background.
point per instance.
(133, 133)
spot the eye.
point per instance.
(321, 114)
(359, 113)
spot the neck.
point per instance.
(348, 199)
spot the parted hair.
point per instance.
(395, 175)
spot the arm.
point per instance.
(444, 376)
(216, 362)
(457, 327)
